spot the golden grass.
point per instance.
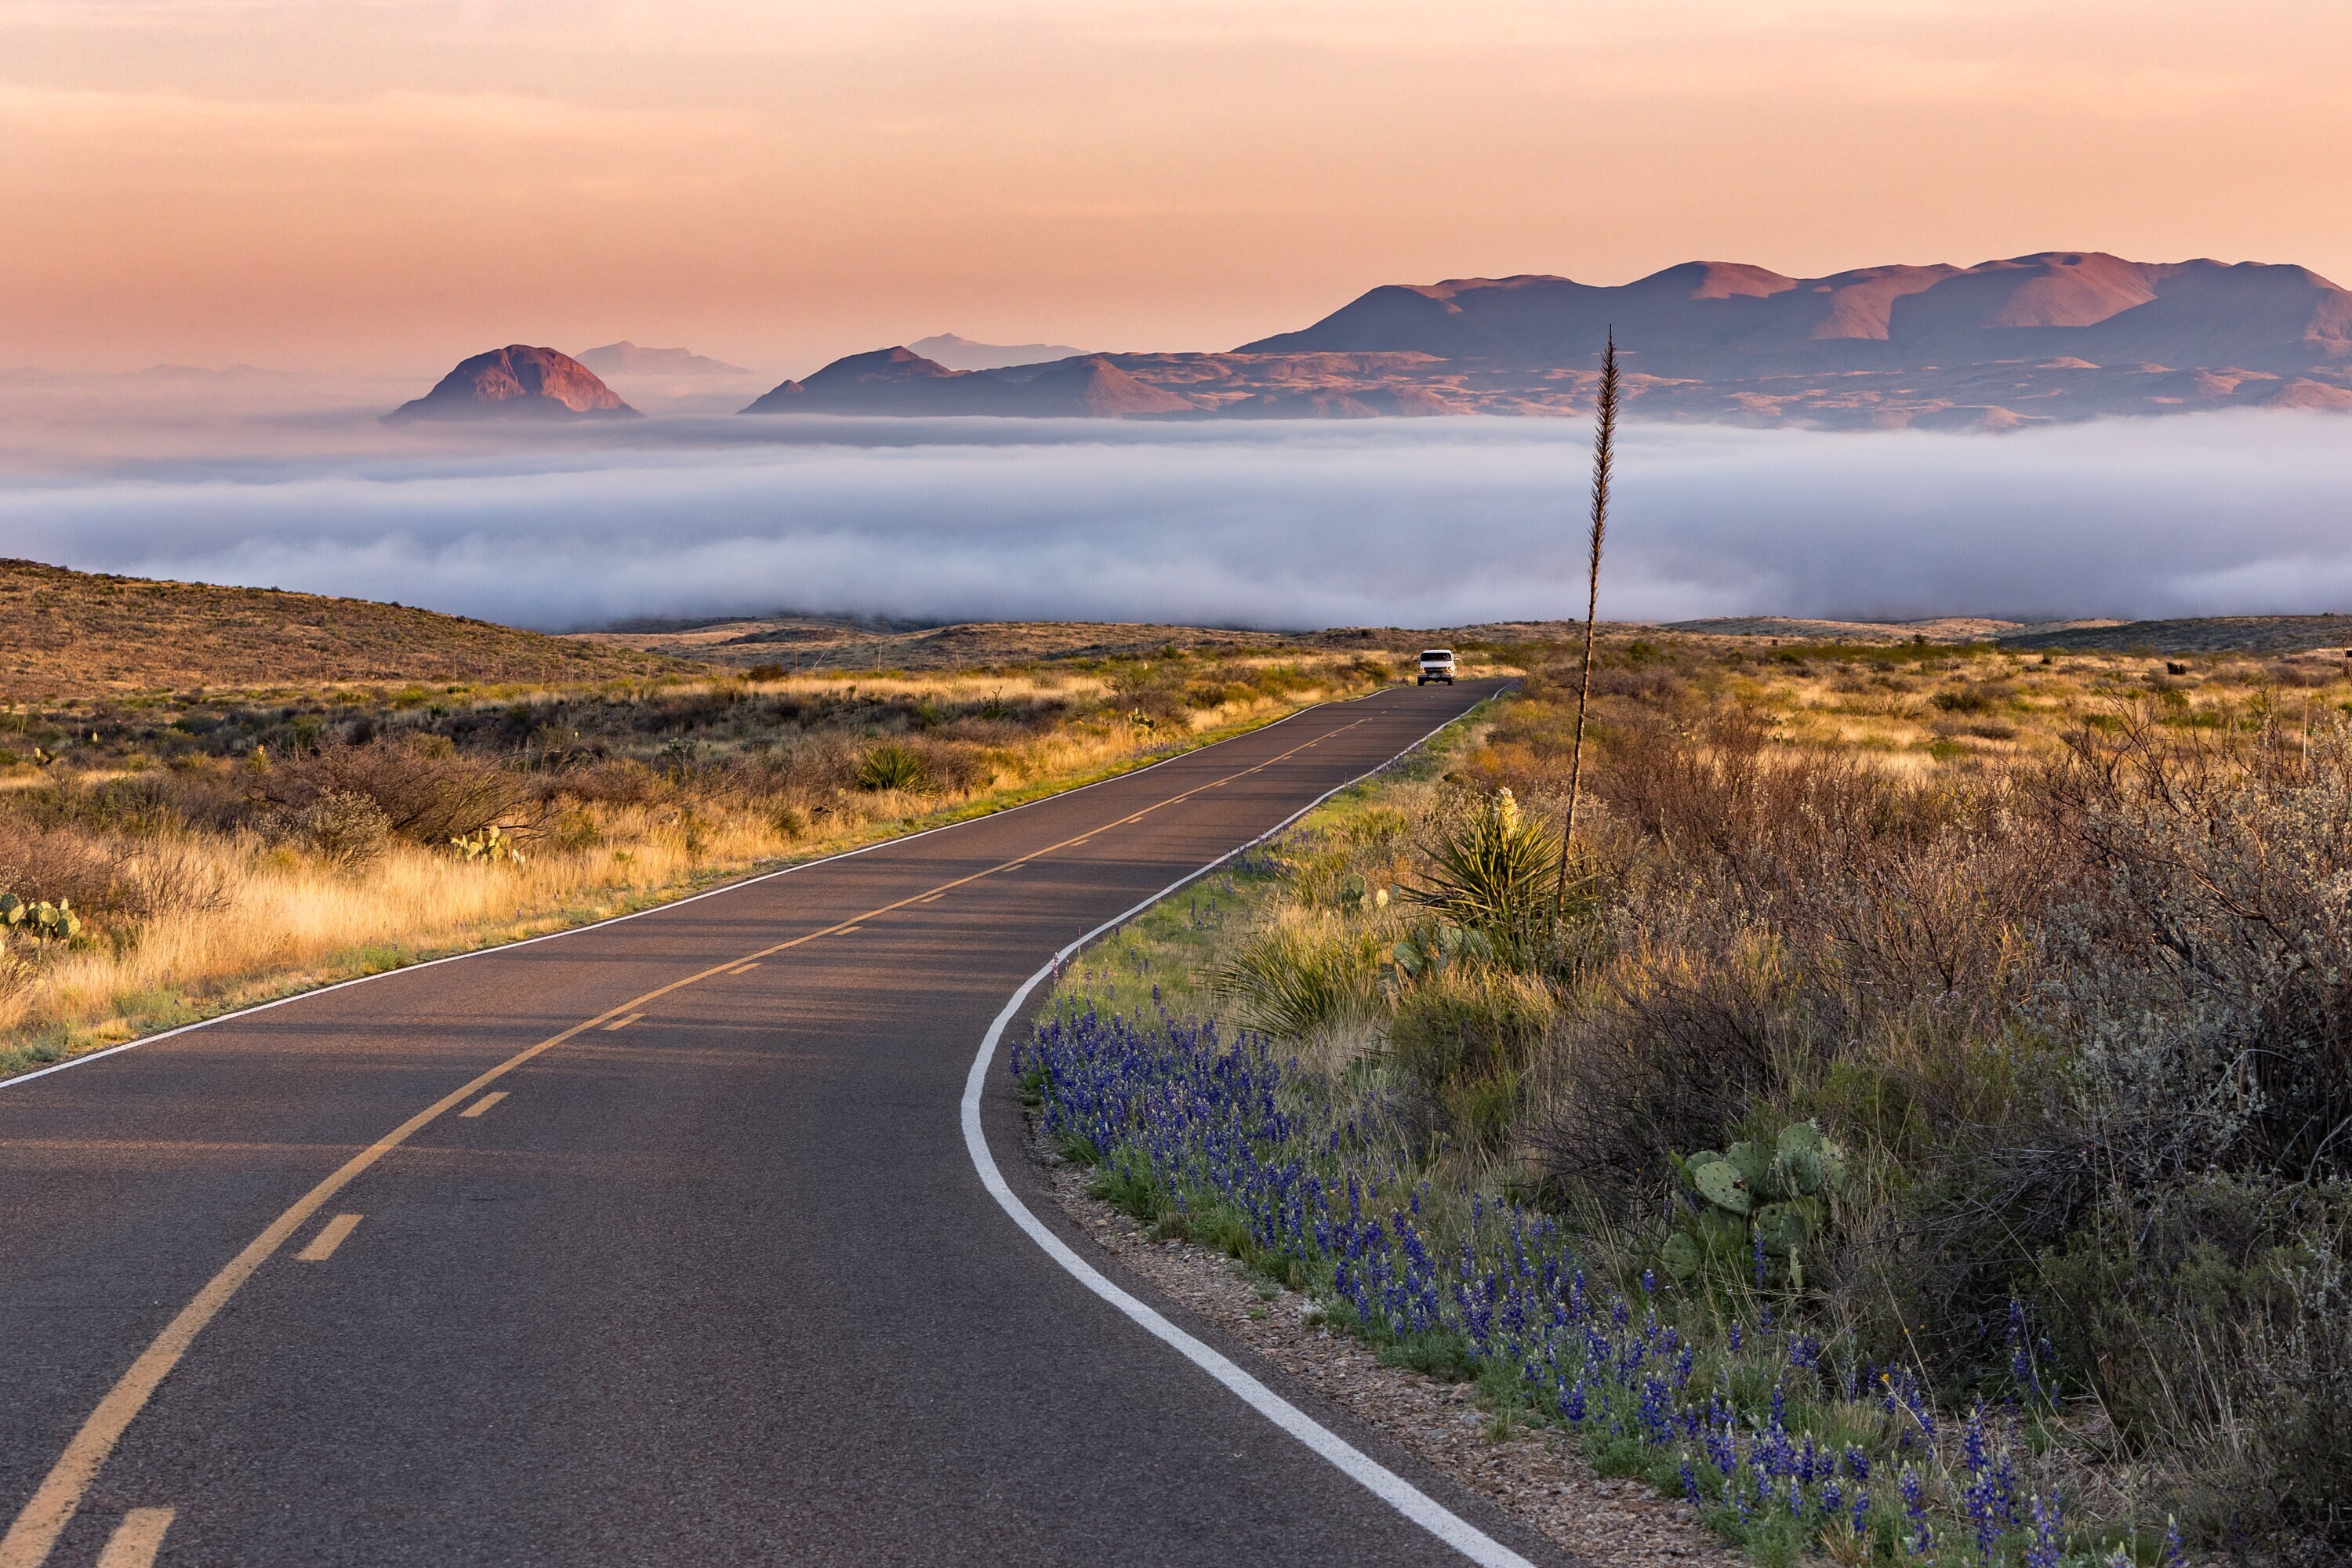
(236, 920)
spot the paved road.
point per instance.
(715, 1281)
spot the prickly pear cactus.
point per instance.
(490, 845)
(44, 921)
(1751, 1210)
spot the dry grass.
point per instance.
(209, 881)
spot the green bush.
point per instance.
(1462, 1041)
(2216, 1323)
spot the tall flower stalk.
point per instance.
(1604, 455)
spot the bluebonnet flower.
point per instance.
(2169, 1554)
(2049, 1543)
(1914, 1509)
(1690, 1481)
(1857, 1464)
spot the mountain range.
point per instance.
(2035, 339)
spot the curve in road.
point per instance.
(671, 1254)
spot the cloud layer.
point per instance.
(1425, 523)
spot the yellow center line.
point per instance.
(137, 1539)
(331, 1236)
(60, 1493)
(483, 1103)
(745, 968)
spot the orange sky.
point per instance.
(393, 184)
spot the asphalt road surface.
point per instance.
(655, 1242)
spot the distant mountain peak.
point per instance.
(962, 353)
(625, 358)
(517, 382)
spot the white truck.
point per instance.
(1436, 664)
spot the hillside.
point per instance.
(79, 634)
(2061, 335)
(2202, 633)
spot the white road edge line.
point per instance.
(724, 888)
(1358, 1466)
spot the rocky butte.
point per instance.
(2061, 335)
(517, 382)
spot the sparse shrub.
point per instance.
(179, 876)
(343, 827)
(1667, 1055)
(426, 789)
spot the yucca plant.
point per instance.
(1290, 982)
(893, 764)
(1493, 873)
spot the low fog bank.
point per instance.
(1427, 523)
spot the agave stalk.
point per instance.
(1603, 444)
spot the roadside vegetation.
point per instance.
(1919, 1133)
(168, 855)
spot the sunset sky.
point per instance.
(388, 185)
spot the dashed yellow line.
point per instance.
(483, 1103)
(331, 1236)
(59, 1496)
(137, 1539)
